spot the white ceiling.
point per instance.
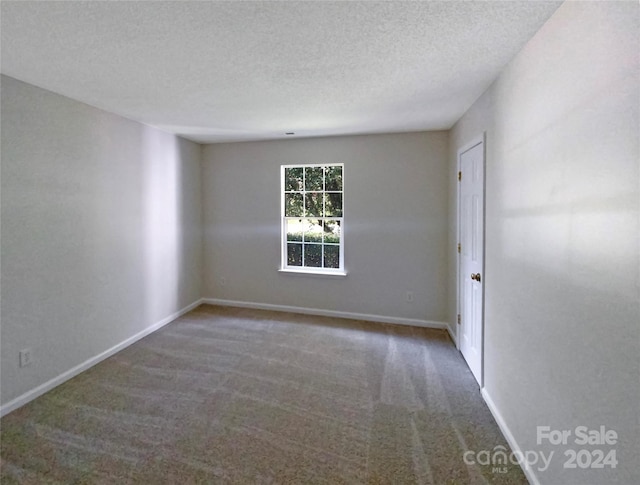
(232, 71)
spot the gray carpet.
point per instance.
(227, 395)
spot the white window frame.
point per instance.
(284, 267)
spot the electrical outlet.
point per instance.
(409, 296)
(223, 281)
(25, 357)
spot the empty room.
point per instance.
(274, 242)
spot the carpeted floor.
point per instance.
(227, 395)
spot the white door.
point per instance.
(471, 257)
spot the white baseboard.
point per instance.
(529, 473)
(453, 336)
(327, 313)
(65, 376)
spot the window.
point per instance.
(312, 218)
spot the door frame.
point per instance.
(480, 139)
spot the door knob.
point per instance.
(476, 277)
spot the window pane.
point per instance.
(331, 256)
(333, 205)
(313, 255)
(293, 205)
(313, 205)
(332, 232)
(313, 178)
(313, 211)
(333, 179)
(294, 254)
(293, 179)
(294, 229)
(313, 231)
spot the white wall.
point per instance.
(395, 224)
(101, 231)
(562, 276)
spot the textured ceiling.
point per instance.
(231, 71)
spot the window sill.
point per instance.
(309, 271)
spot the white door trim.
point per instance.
(481, 139)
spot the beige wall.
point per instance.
(395, 224)
(101, 231)
(562, 316)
